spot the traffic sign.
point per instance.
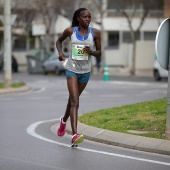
(38, 29)
(13, 18)
(162, 44)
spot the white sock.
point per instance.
(63, 121)
(74, 135)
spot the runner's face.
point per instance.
(84, 18)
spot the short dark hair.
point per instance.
(76, 14)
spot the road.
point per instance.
(27, 142)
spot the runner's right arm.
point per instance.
(67, 33)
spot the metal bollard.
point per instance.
(106, 73)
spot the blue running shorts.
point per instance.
(82, 78)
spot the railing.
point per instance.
(139, 12)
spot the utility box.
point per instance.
(35, 59)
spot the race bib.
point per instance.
(78, 53)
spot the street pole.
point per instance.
(163, 55)
(103, 11)
(103, 43)
(7, 43)
(167, 132)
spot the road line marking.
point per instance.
(31, 131)
(132, 83)
(100, 132)
(40, 90)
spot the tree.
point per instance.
(132, 9)
(48, 11)
(42, 10)
(26, 13)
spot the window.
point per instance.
(123, 4)
(114, 5)
(149, 35)
(127, 37)
(113, 39)
(19, 42)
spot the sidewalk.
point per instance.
(120, 139)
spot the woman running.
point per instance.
(84, 43)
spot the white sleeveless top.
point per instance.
(79, 62)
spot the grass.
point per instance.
(13, 85)
(149, 117)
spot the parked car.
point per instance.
(159, 72)
(52, 64)
(14, 63)
(1, 62)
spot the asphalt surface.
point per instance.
(28, 120)
(109, 137)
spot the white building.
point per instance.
(117, 39)
(117, 51)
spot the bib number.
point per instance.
(78, 53)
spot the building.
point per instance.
(166, 8)
(116, 34)
(117, 39)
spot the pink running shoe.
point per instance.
(62, 129)
(76, 139)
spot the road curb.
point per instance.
(129, 141)
(14, 90)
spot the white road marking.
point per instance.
(40, 90)
(131, 83)
(31, 131)
(99, 132)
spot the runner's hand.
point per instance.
(87, 50)
(62, 57)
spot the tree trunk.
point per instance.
(133, 37)
(132, 70)
(27, 41)
(47, 42)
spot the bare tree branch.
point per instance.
(139, 9)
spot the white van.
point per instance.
(159, 72)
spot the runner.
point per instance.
(84, 43)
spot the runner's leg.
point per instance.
(75, 90)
